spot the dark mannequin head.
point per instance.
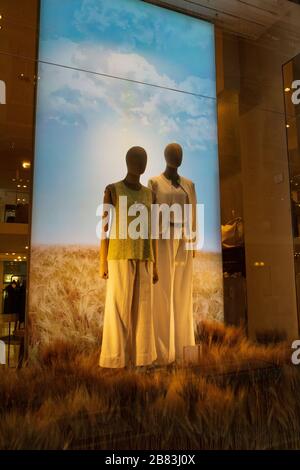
(136, 160)
(173, 155)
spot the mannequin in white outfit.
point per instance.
(172, 302)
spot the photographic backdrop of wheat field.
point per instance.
(67, 295)
(114, 75)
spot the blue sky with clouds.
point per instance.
(86, 122)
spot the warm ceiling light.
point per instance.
(24, 186)
(26, 165)
(24, 257)
(1, 17)
(13, 254)
(287, 89)
(26, 247)
(18, 185)
(7, 254)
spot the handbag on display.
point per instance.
(233, 233)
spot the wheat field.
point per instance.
(67, 295)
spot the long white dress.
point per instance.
(172, 295)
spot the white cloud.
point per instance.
(148, 24)
(78, 97)
(127, 65)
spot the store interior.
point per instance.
(18, 28)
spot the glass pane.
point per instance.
(292, 112)
(19, 28)
(16, 142)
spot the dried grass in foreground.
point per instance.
(66, 401)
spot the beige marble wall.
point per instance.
(228, 81)
(1, 285)
(255, 171)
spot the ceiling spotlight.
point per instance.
(287, 89)
(18, 185)
(287, 126)
(1, 17)
(24, 186)
(13, 254)
(26, 165)
(26, 247)
(23, 77)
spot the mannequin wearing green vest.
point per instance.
(129, 265)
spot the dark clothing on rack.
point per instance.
(11, 300)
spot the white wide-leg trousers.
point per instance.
(128, 330)
(172, 301)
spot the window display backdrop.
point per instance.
(113, 75)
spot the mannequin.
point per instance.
(129, 265)
(172, 302)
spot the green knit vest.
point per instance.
(120, 246)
